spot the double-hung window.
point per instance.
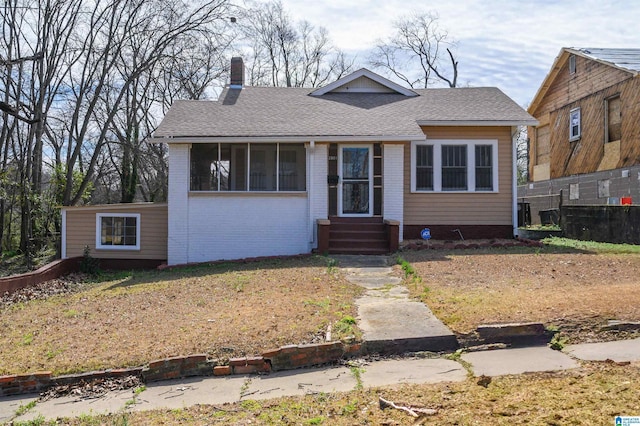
(118, 231)
(454, 166)
(255, 167)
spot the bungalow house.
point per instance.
(352, 167)
(586, 145)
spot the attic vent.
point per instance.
(572, 64)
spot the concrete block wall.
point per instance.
(545, 195)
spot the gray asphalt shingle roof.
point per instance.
(275, 111)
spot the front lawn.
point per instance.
(129, 319)
(566, 283)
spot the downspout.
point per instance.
(514, 179)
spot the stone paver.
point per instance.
(517, 361)
(620, 351)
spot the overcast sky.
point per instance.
(510, 44)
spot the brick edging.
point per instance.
(516, 242)
(284, 358)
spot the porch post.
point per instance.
(318, 190)
(393, 184)
(178, 210)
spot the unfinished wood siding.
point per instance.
(469, 208)
(81, 231)
(588, 89)
(587, 154)
(590, 77)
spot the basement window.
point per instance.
(118, 232)
(575, 128)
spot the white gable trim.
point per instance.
(363, 72)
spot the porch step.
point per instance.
(369, 251)
(366, 235)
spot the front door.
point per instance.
(355, 192)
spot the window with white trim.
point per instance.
(454, 166)
(575, 127)
(254, 167)
(118, 231)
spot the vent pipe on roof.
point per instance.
(237, 73)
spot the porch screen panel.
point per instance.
(292, 167)
(204, 159)
(233, 167)
(454, 167)
(262, 167)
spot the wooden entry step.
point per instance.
(367, 235)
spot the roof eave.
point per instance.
(485, 123)
(290, 139)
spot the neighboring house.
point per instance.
(352, 167)
(587, 142)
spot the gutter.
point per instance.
(273, 139)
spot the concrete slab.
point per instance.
(168, 394)
(390, 318)
(10, 404)
(186, 392)
(360, 261)
(619, 351)
(392, 372)
(517, 361)
(373, 281)
(72, 406)
(300, 382)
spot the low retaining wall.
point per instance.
(284, 358)
(609, 224)
(48, 272)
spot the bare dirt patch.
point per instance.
(576, 291)
(129, 319)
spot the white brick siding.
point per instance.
(318, 188)
(393, 183)
(178, 222)
(235, 227)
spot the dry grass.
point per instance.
(129, 319)
(592, 395)
(467, 288)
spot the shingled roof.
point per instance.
(291, 113)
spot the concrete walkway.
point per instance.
(390, 322)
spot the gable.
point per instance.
(363, 81)
(593, 73)
(363, 85)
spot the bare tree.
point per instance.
(418, 53)
(281, 52)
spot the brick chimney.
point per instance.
(237, 73)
